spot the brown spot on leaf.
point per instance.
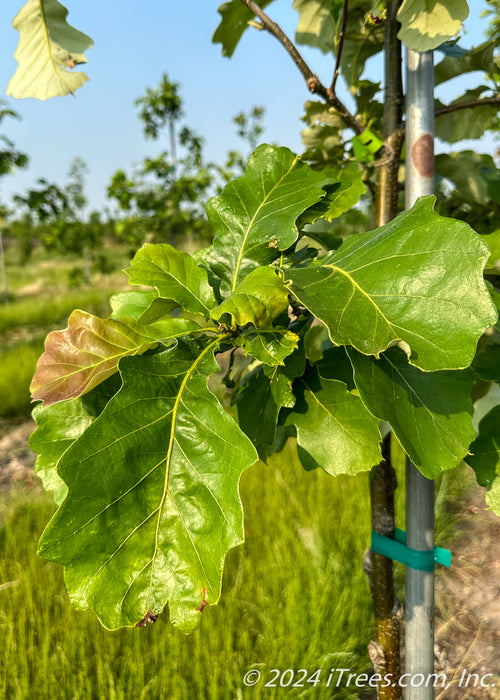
(148, 617)
(203, 601)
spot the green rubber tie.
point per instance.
(369, 141)
(397, 550)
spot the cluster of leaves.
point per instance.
(468, 182)
(10, 157)
(322, 345)
(360, 36)
(320, 339)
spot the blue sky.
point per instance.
(134, 44)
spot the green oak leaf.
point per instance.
(254, 216)
(492, 240)
(323, 138)
(314, 342)
(153, 503)
(88, 350)
(487, 363)
(368, 108)
(323, 144)
(351, 189)
(467, 123)
(416, 281)
(281, 387)
(363, 39)
(258, 425)
(335, 364)
(425, 24)
(317, 23)
(429, 412)
(144, 306)
(57, 429)
(492, 177)
(317, 112)
(485, 457)
(462, 169)
(259, 298)
(479, 58)
(339, 198)
(235, 18)
(94, 402)
(175, 275)
(270, 390)
(333, 427)
(268, 345)
(47, 47)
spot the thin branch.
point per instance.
(447, 109)
(345, 12)
(314, 84)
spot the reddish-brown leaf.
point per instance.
(85, 354)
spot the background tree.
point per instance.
(164, 198)
(161, 107)
(54, 216)
(10, 158)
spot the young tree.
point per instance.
(164, 198)
(149, 499)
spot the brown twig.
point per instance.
(345, 12)
(467, 104)
(314, 84)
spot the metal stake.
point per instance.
(419, 490)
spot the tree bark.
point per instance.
(383, 478)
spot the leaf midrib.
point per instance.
(175, 279)
(48, 41)
(168, 457)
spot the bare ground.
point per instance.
(468, 607)
(467, 594)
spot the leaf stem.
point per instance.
(345, 13)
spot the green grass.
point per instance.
(43, 311)
(17, 366)
(47, 270)
(31, 319)
(294, 596)
(24, 324)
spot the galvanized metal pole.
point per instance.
(419, 490)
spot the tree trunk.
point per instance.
(385, 652)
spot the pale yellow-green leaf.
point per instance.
(425, 24)
(48, 47)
